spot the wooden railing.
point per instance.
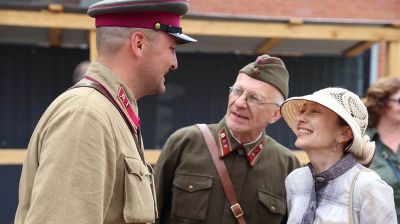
(16, 156)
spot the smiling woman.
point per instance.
(330, 125)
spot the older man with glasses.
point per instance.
(230, 172)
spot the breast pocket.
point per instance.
(139, 202)
(269, 207)
(190, 196)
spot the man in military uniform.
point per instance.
(85, 161)
(188, 186)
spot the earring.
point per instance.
(335, 149)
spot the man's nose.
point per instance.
(174, 64)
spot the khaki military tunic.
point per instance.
(190, 191)
(82, 164)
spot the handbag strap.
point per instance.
(223, 173)
(353, 184)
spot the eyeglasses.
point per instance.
(395, 100)
(252, 99)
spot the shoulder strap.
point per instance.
(135, 134)
(353, 184)
(223, 173)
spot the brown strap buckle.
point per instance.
(237, 210)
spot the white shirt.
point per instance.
(372, 199)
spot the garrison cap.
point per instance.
(149, 14)
(271, 70)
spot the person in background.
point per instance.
(383, 103)
(84, 162)
(189, 188)
(80, 71)
(335, 187)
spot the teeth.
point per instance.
(303, 131)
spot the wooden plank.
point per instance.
(358, 48)
(263, 29)
(393, 58)
(16, 156)
(92, 45)
(268, 45)
(288, 31)
(46, 19)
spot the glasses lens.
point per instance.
(395, 100)
(253, 100)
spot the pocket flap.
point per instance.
(273, 203)
(136, 167)
(192, 182)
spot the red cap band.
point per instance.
(138, 19)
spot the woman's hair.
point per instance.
(377, 96)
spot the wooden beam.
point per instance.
(268, 45)
(288, 31)
(358, 48)
(16, 156)
(92, 45)
(47, 19)
(394, 58)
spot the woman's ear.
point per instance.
(345, 134)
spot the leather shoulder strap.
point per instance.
(223, 173)
(135, 134)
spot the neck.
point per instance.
(388, 127)
(323, 159)
(389, 133)
(119, 68)
(247, 138)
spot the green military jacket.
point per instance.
(189, 189)
(82, 164)
(381, 166)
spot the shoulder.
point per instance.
(191, 132)
(299, 178)
(279, 149)
(300, 173)
(368, 179)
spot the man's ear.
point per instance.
(138, 40)
(275, 116)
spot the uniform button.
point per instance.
(222, 135)
(261, 145)
(141, 173)
(273, 208)
(319, 179)
(311, 204)
(190, 187)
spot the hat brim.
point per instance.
(291, 108)
(183, 38)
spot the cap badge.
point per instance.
(157, 26)
(255, 71)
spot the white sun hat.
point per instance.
(345, 104)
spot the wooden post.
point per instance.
(394, 58)
(92, 45)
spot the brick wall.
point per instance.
(327, 9)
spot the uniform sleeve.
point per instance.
(164, 174)
(377, 201)
(74, 180)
